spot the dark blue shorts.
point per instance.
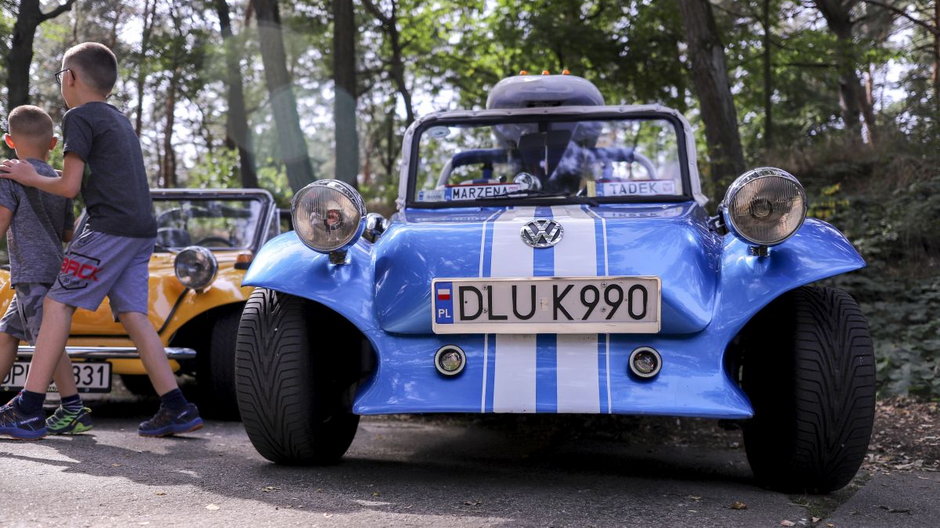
(98, 265)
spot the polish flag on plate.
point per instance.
(443, 294)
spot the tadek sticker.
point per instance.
(636, 188)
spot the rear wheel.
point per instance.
(138, 385)
(215, 369)
(295, 398)
(808, 368)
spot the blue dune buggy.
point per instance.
(551, 254)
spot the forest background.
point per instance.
(845, 94)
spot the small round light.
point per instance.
(645, 362)
(764, 206)
(450, 360)
(327, 215)
(195, 267)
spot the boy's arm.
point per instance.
(68, 184)
(6, 216)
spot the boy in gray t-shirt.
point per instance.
(36, 223)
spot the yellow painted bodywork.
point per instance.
(171, 306)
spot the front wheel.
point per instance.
(294, 397)
(809, 370)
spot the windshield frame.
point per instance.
(558, 114)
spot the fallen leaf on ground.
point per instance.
(212, 507)
(787, 523)
(738, 505)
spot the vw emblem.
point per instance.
(542, 233)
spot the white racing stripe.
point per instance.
(514, 376)
(577, 371)
(514, 379)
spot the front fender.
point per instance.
(748, 283)
(285, 264)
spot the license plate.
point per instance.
(89, 377)
(549, 305)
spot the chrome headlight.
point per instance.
(195, 267)
(764, 206)
(327, 215)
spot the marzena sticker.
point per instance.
(477, 192)
(636, 188)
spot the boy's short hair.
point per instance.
(96, 64)
(31, 123)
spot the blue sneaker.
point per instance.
(167, 422)
(19, 425)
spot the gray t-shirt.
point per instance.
(115, 187)
(34, 238)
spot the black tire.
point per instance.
(215, 369)
(295, 399)
(138, 385)
(809, 370)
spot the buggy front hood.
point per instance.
(669, 241)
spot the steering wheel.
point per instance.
(217, 240)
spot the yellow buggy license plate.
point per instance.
(550, 305)
(89, 376)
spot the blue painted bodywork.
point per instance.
(711, 287)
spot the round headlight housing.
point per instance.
(327, 215)
(764, 206)
(195, 267)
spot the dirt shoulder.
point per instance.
(906, 436)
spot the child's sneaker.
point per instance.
(63, 421)
(167, 422)
(21, 426)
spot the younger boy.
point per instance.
(36, 224)
(111, 254)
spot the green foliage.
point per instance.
(887, 201)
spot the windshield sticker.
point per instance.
(469, 192)
(431, 195)
(636, 188)
(438, 132)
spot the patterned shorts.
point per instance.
(24, 315)
(97, 265)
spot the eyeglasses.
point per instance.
(58, 75)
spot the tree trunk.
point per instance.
(936, 55)
(149, 16)
(856, 109)
(768, 78)
(397, 62)
(20, 55)
(293, 147)
(344, 81)
(168, 164)
(710, 78)
(237, 133)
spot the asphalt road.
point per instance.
(403, 471)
